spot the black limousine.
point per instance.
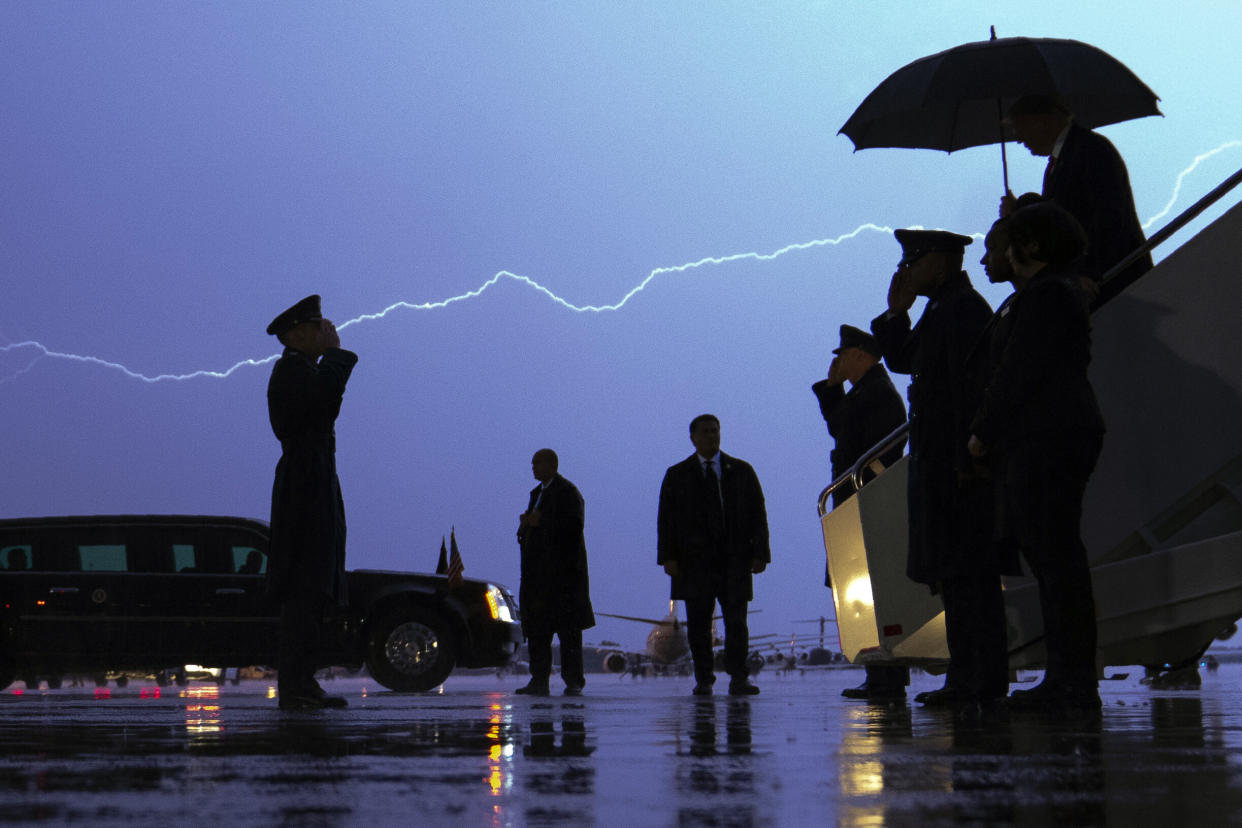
(143, 593)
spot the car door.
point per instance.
(245, 619)
(67, 605)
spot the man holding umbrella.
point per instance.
(950, 508)
(1055, 92)
(1087, 177)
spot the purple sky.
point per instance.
(175, 174)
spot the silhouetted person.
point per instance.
(857, 421)
(1086, 176)
(949, 507)
(712, 535)
(555, 593)
(253, 564)
(307, 554)
(1040, 429)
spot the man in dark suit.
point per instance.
(306, 570)
(950, 507)
(1087, 177)
(712, 535)
(555, 595)
(857, 421)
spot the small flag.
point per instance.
(455, 567)
(442, 566)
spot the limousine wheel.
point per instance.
(410, 650)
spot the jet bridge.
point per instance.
(1163, 510)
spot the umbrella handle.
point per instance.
(1000, 122)
(1005, 168)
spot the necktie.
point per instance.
(715, 501)
(1052, 163)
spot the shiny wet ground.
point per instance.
(627, 753)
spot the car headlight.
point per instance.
(498, 605)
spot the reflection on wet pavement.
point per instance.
(626, 753)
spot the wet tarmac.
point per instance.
(627, 753)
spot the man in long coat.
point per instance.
(555, 595)
(306, 572)
(1087, 177)
(858, 420)
(712, 536)
(950, 508)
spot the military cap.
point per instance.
(915, 243)
(305, 311)
(852, 337)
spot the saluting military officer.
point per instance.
(858, 420)
(950, 507)
(306, 573)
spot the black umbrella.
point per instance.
(957, 98)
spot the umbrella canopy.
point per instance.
(955, 99)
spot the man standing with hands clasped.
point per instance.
(712, 535)
(555, 594)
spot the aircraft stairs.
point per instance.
(1163, 510)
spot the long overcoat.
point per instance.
(307, 551)
(858, 419)
(711, 566)
(1038, 404)
(950, 525)
(555, 592)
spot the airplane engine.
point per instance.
(616, 662)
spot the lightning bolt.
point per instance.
(1177, 186)
(659, 271)
(41, 351)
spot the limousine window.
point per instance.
(15, 558)
(103, 557)
(183, 557)
(249, 561)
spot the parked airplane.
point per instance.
(668, 648)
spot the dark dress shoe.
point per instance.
(742, 688)
(535, 688)
(862, 691)
(573, 690)
(944, 697)
(702, 689)
(871, 692)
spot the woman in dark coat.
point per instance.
(1039, 426)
